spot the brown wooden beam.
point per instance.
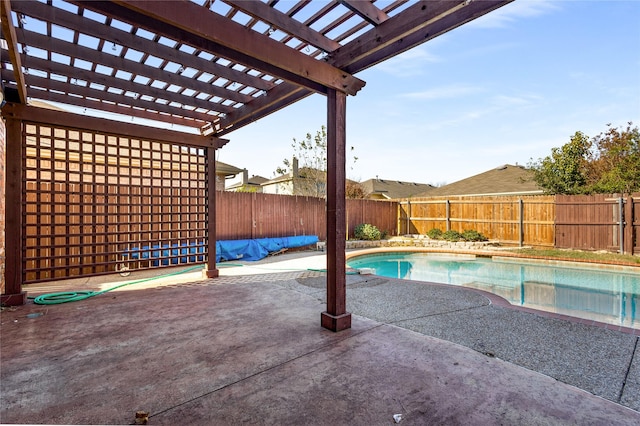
(67, 119)
(336, 317)
(241, 44)
(354, 65)
(125, 111)
(9, 34)
(274, 103)
(434, 29)
(38, 84)
(86, 26)
(75, 51)
(270, 15)
(271, 101)
(13, 294)
(408, 21)
(118, 83)
(366, 10)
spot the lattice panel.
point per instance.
(97, 203)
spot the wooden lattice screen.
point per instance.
(95, 203)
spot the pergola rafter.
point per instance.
(209, 53)
(10, 37)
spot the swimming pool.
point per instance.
(609, 295)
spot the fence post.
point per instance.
(408, 217)
(629, 227)
(448, 213)
(621, 222)
(521, 213)
(253, 215)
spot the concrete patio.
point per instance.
(248, 348)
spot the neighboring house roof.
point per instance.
(503, 180)
(226, 169)
(277, 179)
(252, 182)
(393, 189)
(256, 180)
(303, 172)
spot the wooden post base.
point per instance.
(212, 273)
(335, 323)
(14, 299)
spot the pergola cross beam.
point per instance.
(232, 41)
(9, 32)
(367, 10)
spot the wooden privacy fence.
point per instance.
(598, 222)
(512, 220)
(587, 222)
(256, 215)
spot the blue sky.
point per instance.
(505, 88)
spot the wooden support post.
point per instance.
(211, 271)
(13, 294)
(336, 317)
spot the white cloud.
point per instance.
(504, 101)
(409, 63)
(444, 92)
(515, 11)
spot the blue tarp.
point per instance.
(187, 253)
(226, 250)
(259, 248)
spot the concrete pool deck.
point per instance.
(248, 348)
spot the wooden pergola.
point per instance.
(211, 65)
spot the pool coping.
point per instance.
(496, 300)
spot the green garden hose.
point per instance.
(75, 296)
(324, 270)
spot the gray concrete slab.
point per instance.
(386, 371)
(591, 358)
(601, 361)
(100, 360)
(248, 348)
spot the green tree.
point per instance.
(607, 164)
(311, 156)
(615, 167)
(566, 170)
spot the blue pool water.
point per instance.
(610, 295)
